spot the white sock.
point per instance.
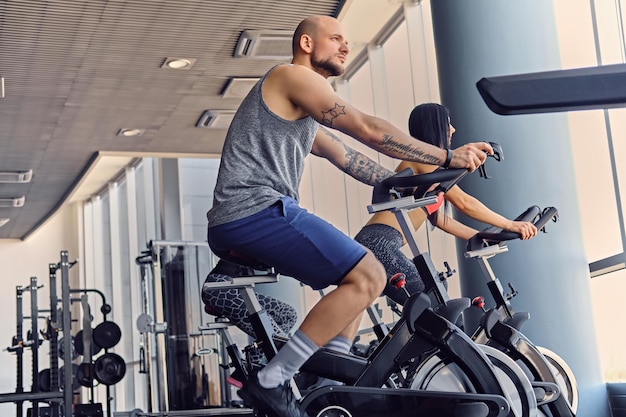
(339, 344)
(287, 361)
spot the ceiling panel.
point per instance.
(78, 71)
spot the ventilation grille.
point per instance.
(265, 44)
(12, 202)
(21, 177)
(238, 87)
(216, 119)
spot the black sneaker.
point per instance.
(275, 402)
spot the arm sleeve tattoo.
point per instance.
(412, 153)
(389, 142)
(364, 169)
(359, 166)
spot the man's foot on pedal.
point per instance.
(276, 402)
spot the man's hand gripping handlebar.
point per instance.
(470, 156)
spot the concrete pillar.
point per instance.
(481, 38)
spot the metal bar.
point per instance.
(67, 340)
(606, 265)
(160, 342)
(19, 337)
(35, 342)
(54, 337)
(29, 396)
(153, 243)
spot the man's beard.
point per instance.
(326, 67)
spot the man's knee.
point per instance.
(369, 276)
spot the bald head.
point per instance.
(310, 26)
(320, 44)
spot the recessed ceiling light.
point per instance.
(131, 132)
(178, 63)
(3, 221)
(16, 176)
(12, 202)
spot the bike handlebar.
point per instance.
(529, 215)
(417, 183)
(541, 218)
(420, 183)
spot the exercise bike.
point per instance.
(547, 374)
(444, 374)
(501, 325)
(417, 333)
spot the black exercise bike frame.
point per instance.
(418, 332)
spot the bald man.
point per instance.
(255, 210)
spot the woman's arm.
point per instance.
(474, 208)
(454, 227)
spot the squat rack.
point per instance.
(55, 395)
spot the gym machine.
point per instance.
(556, 91)
(544, 375)
(56, 385)
(367, 391)
(501, 325)
(179, 355)
(58, 399)
(32, 341)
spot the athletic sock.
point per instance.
(339, 344)
(287, 361)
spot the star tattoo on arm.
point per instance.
(330, 115)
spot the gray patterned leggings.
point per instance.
(228, 303)
(386, 243)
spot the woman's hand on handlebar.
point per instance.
(471, 155)
(526, 229)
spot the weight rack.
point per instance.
(55, 396)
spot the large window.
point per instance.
(592, 33)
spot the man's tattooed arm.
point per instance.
(364, 169)
(411, 152)
(403, 151)
(332, 114)
(357, 165)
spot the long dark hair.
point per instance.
(430, 122)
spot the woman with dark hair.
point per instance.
(429, 122)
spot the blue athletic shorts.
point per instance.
(292, 240)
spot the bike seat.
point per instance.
(240, 275)
(452, 309)
(246, 264)
(518, 319)
(413, 308)
(489, 319)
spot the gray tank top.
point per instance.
(262, 160)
